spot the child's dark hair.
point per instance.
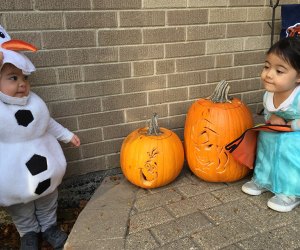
(289, 50)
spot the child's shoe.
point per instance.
(283, 203)
(253, 189)
(55, 237)
(29, 241)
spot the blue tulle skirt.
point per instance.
(277, 165)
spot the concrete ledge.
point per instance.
(104, 221)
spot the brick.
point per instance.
(55, 93)
(165, 66)
(219, 15)
(184, 17)
(181, 227)
(248, 3)
(195, 63)
(260, 14)
(49, 58)
(149, 219)
(202, 91)
(185, 49)
(144, 84)
(68, 39)
(193, 204)
(224, 45)
(141, 52)
(247, 58)
(85, 90)
(101, 148)
(16, 5)
(34, 21)
(85, 166)
(92, 55)
(43, 77)
(124, 101)
(120, 130)
(164, 3)
(119, 37)
(163, 35)
(207, 239)
(72, 154)
(76, 20)
(75, 107)
(257, 43)
(69, 122)
(156, 200)
(217, 75)
(224, 61)
(69, 74)
(142, 18)
(145, 113)
(207, 3)
(90, 135)
(143, 68)
(252, 71)
(173, 123)
(179, 108)
(244, 29)
(62, 5)
(267, 29)
(253, 96)
(141, 240)
(87, 121)
(186, 79)
(170, 95)
(244, 85)
(106, 71)
(116, 4)
(113, 161)
(206, 32)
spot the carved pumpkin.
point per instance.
(151, 157)
(212, 123)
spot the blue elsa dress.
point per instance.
(277, 165)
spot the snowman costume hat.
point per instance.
(9, 48)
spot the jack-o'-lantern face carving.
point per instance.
(209, 153)
(208, 128)
(151, 160)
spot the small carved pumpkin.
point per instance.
(151, 157)
(212, 123)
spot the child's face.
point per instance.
(278, 76)
(13, 82)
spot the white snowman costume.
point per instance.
(32, 163)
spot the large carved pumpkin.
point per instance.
(212, 123)
(151, 157)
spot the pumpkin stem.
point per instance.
(153, 126)
(220, 93)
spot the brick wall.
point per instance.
(104, 66)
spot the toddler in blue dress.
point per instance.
(277, 165)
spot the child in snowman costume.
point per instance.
(32, 163)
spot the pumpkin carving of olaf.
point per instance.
(32, 163)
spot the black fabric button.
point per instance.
(37, 164)
(24, 117)
(43, 186)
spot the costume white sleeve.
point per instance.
(59, 132)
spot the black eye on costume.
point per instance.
(2, 35)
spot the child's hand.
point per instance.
(276, 120)
(75, 141)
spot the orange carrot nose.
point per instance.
(18, 45)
